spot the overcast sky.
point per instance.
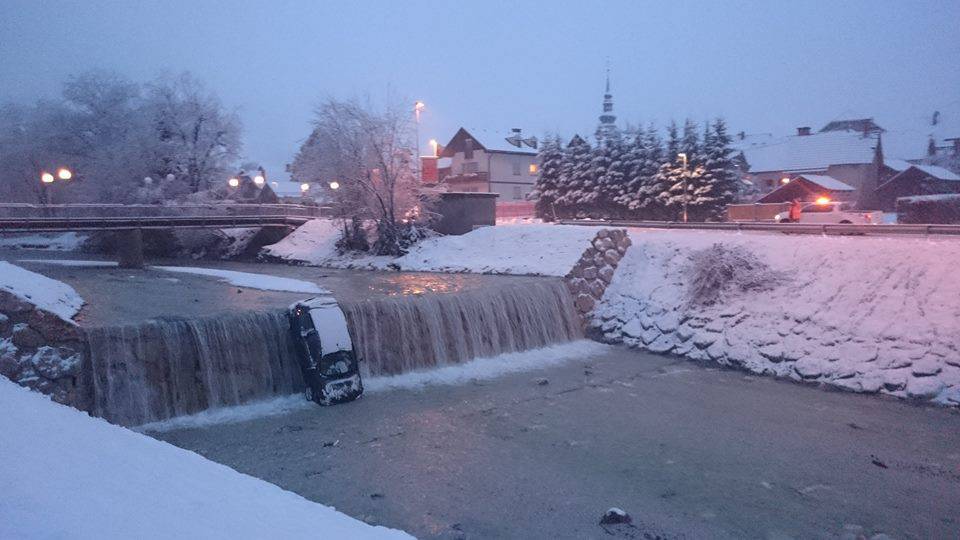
(765, 66)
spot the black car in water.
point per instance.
(325, 351)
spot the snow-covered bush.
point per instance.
(720, 270)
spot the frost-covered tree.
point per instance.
(199, 139)
(717, 186)
(371, 151)
(608, 172)
(577, 188)
(547, 188)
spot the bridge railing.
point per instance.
(69, 211)
(799, 228)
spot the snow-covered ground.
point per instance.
(866, 314)
(45, 293)
(264, 282)
(68, 475)
(477, 369)
(67, 241)
(532, 249)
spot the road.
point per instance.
(688, 451)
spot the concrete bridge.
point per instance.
(130, 220)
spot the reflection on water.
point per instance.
(417, 284)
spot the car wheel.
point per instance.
(846, 222)
(308, 393)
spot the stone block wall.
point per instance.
(589, 278)
(40, 350)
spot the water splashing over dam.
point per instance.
(171, 367)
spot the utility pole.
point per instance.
(417, 107)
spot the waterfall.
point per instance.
(171, 367)
(400, 334)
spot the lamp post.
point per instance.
(47, 179)
(686, 184)
(418, 106)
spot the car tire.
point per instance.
(846, 222)
(308, 393)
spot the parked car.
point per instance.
(833, 212)
(325, 351)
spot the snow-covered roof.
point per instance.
(492, 141)
(938, 172)
(811, 152)
(898, 165)
(827, 182)
(750, 140)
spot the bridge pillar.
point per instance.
(130, 248)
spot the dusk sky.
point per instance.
(764, 66)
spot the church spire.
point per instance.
(607, 119)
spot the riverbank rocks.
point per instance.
(41, 351)
(588, 279)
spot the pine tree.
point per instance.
(608, 171)
(646, 202)
(684, 181)
(547, 189)
(575, 183)
(634, 158)
(717, 187)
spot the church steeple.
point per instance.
(607, 119)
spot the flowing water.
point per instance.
(170, 367)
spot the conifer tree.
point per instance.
(548, 186)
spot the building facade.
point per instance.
(505, 165)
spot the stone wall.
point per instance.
(41, 351)
(589, 278)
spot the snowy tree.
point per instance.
(577, 186)
(199, 139)
(372, 153)
(608, 172)
(717, 186)
(547, 189)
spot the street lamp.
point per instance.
(304, 187)
(418, 107)
(259, 180)
(47, 178)
(233, 182)
(686, 184)
(64, 173)
(334, 185)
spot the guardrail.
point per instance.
(93, 217)
(798, 228)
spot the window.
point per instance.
(517, 166)
(468, 168)
(534, 168)
(468, 149)
(817, 208)
(517, 193)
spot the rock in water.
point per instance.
(615, 516)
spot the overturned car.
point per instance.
(325, 352)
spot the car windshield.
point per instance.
(817, 208)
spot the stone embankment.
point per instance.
(40, 350)
(589, 278)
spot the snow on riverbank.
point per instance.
(67, 475)
(68, 241)
(44, 293)
(248, 279)
(533, 249)
(476, 369)
(866, 314)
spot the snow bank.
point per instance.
(548, 250)
(68, 241)
(247, 279)
(477, 369)
(44, 293)
(67, 475)
(866, 314)
(534, 249)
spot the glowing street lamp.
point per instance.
(334, 185)
(64, 173)
(304, 187)
(233, 182)
(259, 180)
(785, 180)
(47, 178)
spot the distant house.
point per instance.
(864, 126)
(480, 161)
(810, 187)
(916, 180)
